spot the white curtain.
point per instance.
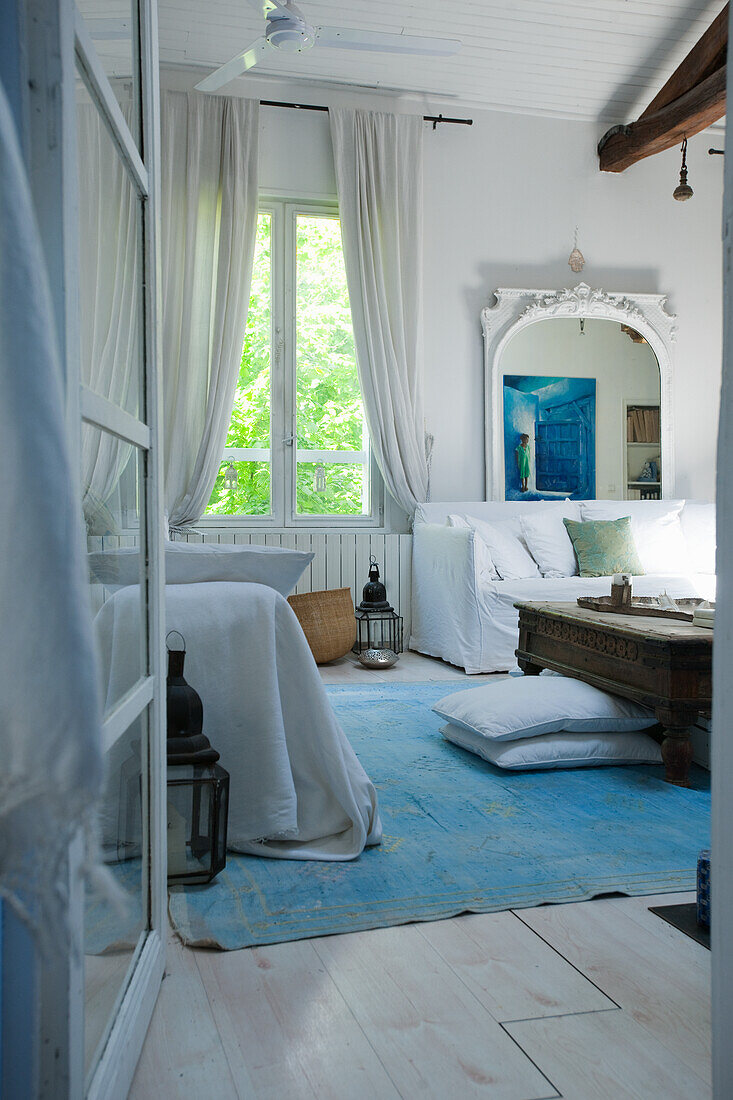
(109, 306)
(50, 722)
(209, 150)
(378, 159)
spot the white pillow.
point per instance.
(529, 706)
(186, 563)
(509, 553)
(548, 540)
(697, 520)
(483, 556)
(655, 526)
(559, 750)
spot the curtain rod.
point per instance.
(435, 119)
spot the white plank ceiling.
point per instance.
(601, 60)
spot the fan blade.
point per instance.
(264, 7)
(242, 63)
(343, 39)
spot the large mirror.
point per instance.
(577, 395)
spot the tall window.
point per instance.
(297, 451)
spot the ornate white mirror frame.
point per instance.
(516, 308)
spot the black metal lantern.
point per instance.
(378, 626)
(198, 787)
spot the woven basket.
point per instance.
(328, 622)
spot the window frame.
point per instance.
(284, 212)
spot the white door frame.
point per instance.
(722, 742)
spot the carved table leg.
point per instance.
(528, 667)
(677, 745)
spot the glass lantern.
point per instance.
(198, 787)
(378, 626)
(198, 804)
(230, 475)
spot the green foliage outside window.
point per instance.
(329, 409)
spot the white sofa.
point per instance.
(462, 615)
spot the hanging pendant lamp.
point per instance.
(683, 191)
(576, 259)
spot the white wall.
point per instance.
(622, 370)
(502, 199)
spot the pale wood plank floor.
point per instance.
(598, 1000)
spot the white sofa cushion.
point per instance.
(655, 526)
(492, 511)
(548, 541)
(530, 706)
(697, 520)
(559, 750)
(484, 561)
(512, 560)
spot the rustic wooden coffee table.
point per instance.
(665, 664)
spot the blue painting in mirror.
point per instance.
(549, 438)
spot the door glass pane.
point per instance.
(114, 914)
(249, 493)
(113, 501)
(112, 28)
(329, 408)
(110, 266)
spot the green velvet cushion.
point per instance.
(604, 547)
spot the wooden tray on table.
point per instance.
(643, 605)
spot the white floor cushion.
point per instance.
(532, 706)
(558, 750)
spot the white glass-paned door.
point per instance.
(115, 207)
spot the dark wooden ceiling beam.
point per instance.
(688, 115)
(692, 99)
(702, 60)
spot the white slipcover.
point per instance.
(297, 789)
(461, 616)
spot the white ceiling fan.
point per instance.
(286, 28)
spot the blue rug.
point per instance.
(459, 835)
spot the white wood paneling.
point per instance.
(603, 59)
(341, 558)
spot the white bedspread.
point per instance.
(297, 790)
